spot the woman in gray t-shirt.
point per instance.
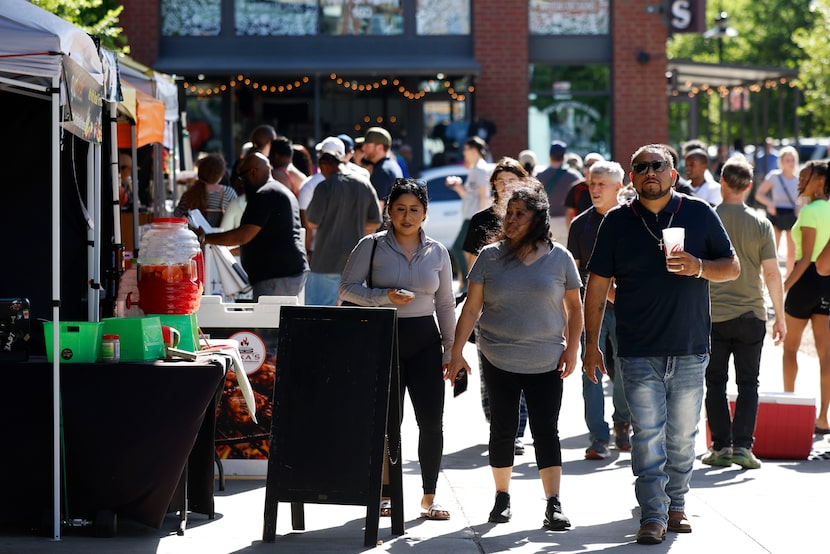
(524, 291)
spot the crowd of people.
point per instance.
(554, 264)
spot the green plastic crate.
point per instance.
(187, 327)
(140, 337)
(80, 341)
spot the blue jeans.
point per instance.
(322, 289)
(280, 286)
(664, 395)
(593, 395)
(741, 338)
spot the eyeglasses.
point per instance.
(657, 166)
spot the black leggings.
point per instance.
(420, 359)
(543, 393)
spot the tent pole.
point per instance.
(174, 158)
(115, 175)
(136, 185)
(159, 185)
(93, 195)
(56, 293)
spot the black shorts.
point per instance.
(809, 295)
(784, 218)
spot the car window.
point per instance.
(438, 190)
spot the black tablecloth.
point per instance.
(129, 431)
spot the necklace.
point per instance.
(655, 237)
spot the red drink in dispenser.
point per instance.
(171, 268)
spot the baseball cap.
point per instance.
(527, 157)
(378, 135)
(557, 147)
(332, 146)
(347, 142)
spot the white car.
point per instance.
(444, 216)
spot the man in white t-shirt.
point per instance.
(697, 164)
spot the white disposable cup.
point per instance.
(673, 240)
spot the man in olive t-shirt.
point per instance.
(739, 322)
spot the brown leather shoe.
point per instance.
(678, 522)
(651, 533)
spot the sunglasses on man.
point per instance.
(642, 168)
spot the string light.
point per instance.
(724, 91)
(432, 86)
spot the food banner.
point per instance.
(82, 113)
(242, 444)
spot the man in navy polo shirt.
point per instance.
(663, 326)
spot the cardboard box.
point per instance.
(242, 445)
(784, 427)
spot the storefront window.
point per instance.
(443, 17)
(191, 18)
(367, 17)
(572, 104)
(204, 124)
(568, 17)
(287, 18)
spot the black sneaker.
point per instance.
(501, 509)
(554, 519)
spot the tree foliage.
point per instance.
(765, 31)
(773, 33)
(97, 17)
(814, 80)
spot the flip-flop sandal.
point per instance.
(385, 508)
(436, 512)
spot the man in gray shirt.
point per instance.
(343, 209)
(558, 179)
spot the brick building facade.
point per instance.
(500, 44)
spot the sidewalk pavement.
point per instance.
(780, 508)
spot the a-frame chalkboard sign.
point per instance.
(332, 402)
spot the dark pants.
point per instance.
(422, 373)
(543, 393)
(743, 339)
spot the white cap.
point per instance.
(332, 146)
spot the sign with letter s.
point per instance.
(687, 16)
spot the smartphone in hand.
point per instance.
(460, 384)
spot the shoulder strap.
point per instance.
(556, 175)
(372, 260)
(784, 186)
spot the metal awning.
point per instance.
(685, 75)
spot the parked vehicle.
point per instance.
(809, 148)
(444, 216)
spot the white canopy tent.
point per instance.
(42, 55)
